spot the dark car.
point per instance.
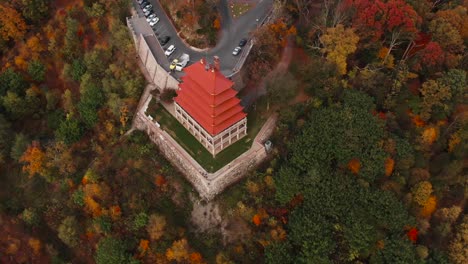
(164, 40)
(242, 42)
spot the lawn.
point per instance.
(255, 121)
(239, 8)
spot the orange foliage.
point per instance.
(195, 258)
(90, 235)
(34, 158)
(144, 245)
(256, 220)
(12, 24)
(417, 121)
(354, 165)
(115, 212)
(453, 141)
(380, 244)
(85, 180)
(93, 207)
(216, 24)
(35, 244)
(389, 166)
(21, 63)
(34, 46)
(429, 207)
(160, 180)
(429, 135)
(383, 53)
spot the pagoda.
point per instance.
(207, 106)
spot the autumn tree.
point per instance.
(338, 43)
(391, 20)
(458, 251)
(12, 25)
(435, 94)
(156, 226)
(179, 251)
(35, 160)
(421, 192)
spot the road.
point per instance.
(232, 31)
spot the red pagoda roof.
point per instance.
(208, 97)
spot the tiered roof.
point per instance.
(208, 97)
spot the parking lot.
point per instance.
(232, 33)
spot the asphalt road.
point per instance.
(232, 31)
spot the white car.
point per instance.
(182, 62)
(147, 13)
(170, 50)
(148, 8)
(236, 51)
(154, 21)
(150, 17)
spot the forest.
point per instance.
(368, 164)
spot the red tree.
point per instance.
(412, 234)
(432, 55)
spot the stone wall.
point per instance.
(159, 76)
(208, 185)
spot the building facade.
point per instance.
(207, 106)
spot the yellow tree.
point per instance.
(156, 226)
(338, 43)
(12, 25)
(179, 251)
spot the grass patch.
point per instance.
(255, 121)
(238, 9)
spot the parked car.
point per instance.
(236, 51)
(170, 50)
(242, 42)
(147, 13)
(148, 8)
(164, 40)
(173, 64)
(144, 4)
(182, 62)
(154, 21)
(140, 2)
(150, 17)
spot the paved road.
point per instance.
(232, 31)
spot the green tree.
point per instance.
(281, 89)
(20, 145)
(14, 105)
(12, 81)
(37, 70)
(69, 130)
(5, 137)
(68, 231)
(140, 221)
(111, 250)
(35, 10)
(91, 99)
(30, 217)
